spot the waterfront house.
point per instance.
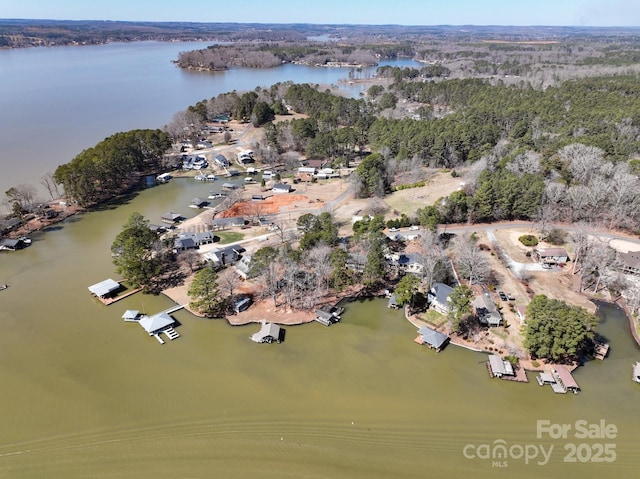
(221, 161)
(104, 288)
(432, 338)
(242, 304)
(550, 256)
(499, 367)
(438, 297)
(243, 266)
(186, 241)
(269, 332)
(281, 188)
(486, 311)
(630, 262)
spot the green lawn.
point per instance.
(229, 236)
(433, 317)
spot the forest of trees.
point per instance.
(113, 166)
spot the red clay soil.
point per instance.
(268, 206)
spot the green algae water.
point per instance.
(84, 394)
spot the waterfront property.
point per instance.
(269, 333)
(243, 266)
(499, 367)
(438, 297)
(187, 240)
(486, 311)
(242, 304)
(432, 338)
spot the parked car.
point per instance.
(503, 296)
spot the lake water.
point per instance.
(56, 102)
(85, 394)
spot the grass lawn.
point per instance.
(229, 236)
(433, 317)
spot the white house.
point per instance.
(439, 297)
(281, 188)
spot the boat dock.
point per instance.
(560, 380)
(113, 299)
(601, 350)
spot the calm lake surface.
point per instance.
(85, 394)
(56, 102)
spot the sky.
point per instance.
(370, 12)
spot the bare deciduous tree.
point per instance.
(472, 262)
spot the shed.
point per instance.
(104, 288)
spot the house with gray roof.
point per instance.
(438, 297)
(486, 311)
(187, 240)
(281, 188)
(225, 256)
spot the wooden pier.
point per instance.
(601, 350)
(113, 299)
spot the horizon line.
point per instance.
(325, 24)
